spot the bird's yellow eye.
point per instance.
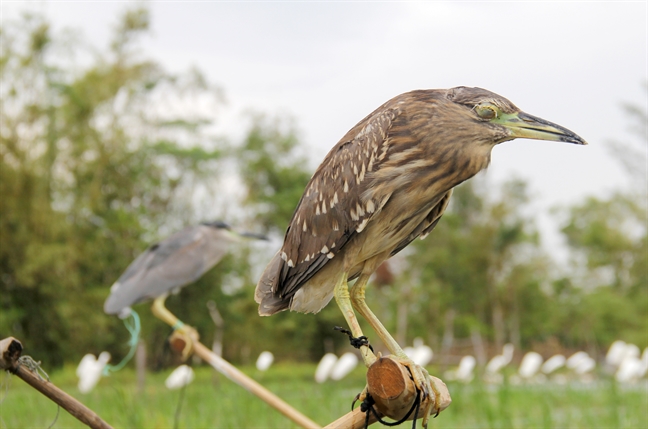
(486, 112)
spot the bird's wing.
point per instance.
(158, 253)
(174, 262)
(428, 223)
(338, 202)
(178, 265)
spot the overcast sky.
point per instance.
(329, 64)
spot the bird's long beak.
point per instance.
(253, 235)
(523, 125)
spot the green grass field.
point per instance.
(212, 401)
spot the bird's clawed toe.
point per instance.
(360, 397)
(435, 396)
(441, 394)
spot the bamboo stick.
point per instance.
(352, 420)
(11, 349)
(231, 372)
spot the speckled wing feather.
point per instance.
(338, 202)
(428, 224)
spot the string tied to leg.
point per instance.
(356, 342)
(133, 325)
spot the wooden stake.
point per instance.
(10, 350)
(391, 386)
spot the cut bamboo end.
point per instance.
(10, 351)
(390, 385)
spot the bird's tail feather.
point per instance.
(269, 302)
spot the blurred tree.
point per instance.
(104, 152)
(609, 242)
(94, 158)
(609, 238)
(480, 269)
(274, 170)
(100, 161)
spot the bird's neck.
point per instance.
(453, 162)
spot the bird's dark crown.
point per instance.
(217, 224)
(472, 97)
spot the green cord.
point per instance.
(134, 329)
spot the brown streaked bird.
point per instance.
(387, 182)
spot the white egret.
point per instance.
(264, 361)
(324, 367)
(344, 366)
(180, 377)
(90, 369)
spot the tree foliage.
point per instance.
(482, 263)
(609, 242)
(91, 164)
(274, 172)
(103, 152)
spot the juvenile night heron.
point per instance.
(387, 182)
(169, 265)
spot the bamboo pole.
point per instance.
(179, 341)
(11, 349)
(352, 420)
(231, 372)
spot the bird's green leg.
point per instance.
(426, 384)
(357, 297)
(161, 312)
(341, 293)
(188, 334)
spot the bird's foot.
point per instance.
(435, 396)
(182, 340)
(360, 397)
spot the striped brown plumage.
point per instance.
(385, 183)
